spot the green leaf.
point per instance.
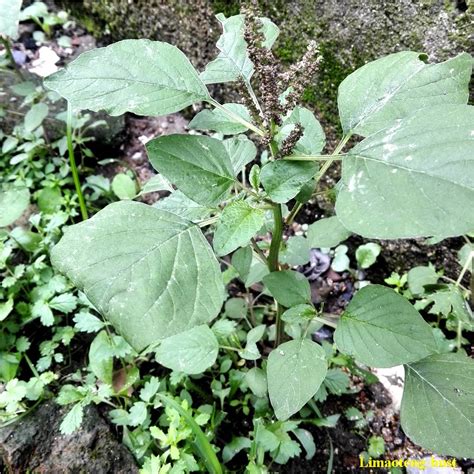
(233, 61)
(5, 309)
(40, 309)
(123, 186)
(199, 166)
(436, 410)
(49, 199)
(283, 179)
(295, 371)
(65, 303)
(218, 121)
(87, 322)
(256, 379)
(251, 351)
(296, 251)
(72, 421)
(393, 87)
(306, 439)
(241, 151)
(340, 262)
(138, 414)
(100, 360)
(376, 446)
(149, 389)
(13, 203)
(313, 139)
(289, 288)
(9, 18)
(150, 272)
(140, 76)
(366, 254)
(237, 224)
(179, 204)
(191, 352)
(234, 447)
(414, 179)
(327, 232)
(466, 253)
(420, 276)
(301, 313)
(35, 116)
(156, 183)
(380, 328)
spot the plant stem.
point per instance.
(273, 263)
(296, 208)
(8, 50)
(332, 157)
(325, 321)
(72, 161)
(203, 445)
(207, 222)
(236, 117)
(258, 250)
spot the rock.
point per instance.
(34, 444)
(435, 465)
(392, 379)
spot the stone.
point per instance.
(34, 444)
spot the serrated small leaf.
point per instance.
(437, 405)
(327, 233)
(140, 76)
(237, 224)
(289, 288)
(218, 121)
(191, 352)
(295, 371)
(393, 87)
(199, 166)
(87, 322)
(73, 420)
(5, 309)
(283, 180)
(380, 328)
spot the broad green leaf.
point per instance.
(289, 288)
(218, 121)
(437, 405)
(376, 95)
(234, 447)
(100, 361)
(380, 328)
(301, 313)
(241, 151)
(340, 261)
(9, 18)
(233, 61)
(296, 251)
(191, 352)
(366, 254)
(249, 266)
(313, 139)
(5, 308)
(415, 179)
(198, 166)
(307, 441)
(123, 186)
(150, 272)
(237, 224)
(35, 116)
(295, 371)
(140, 76)
(327, 232)
(178, 203)
(420, 276)
(256, 379)
(251, 352)
(283, 179)
(156, 183)
(13, 202)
